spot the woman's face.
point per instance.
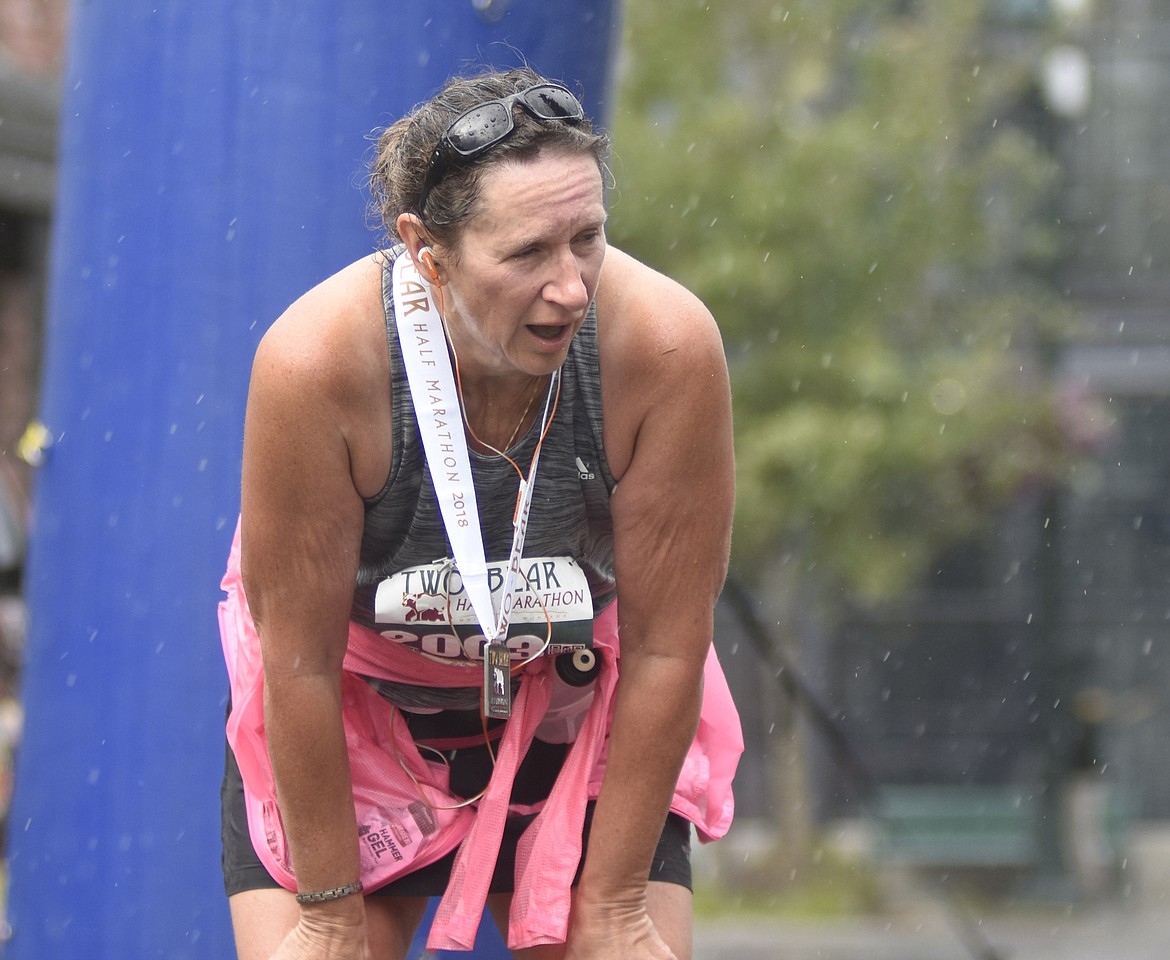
(528, 265)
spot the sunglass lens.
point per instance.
(553, 103)
(480, 128)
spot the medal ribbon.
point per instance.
(440, 421)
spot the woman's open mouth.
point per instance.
(550, 334)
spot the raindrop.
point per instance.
(948, 396)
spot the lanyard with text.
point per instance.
(440, 422)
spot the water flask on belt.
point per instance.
(572, 693)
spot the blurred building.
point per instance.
(31, 49)
(1114, 584)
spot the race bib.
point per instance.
(427, 609)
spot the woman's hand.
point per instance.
(603, 934)
(324, 935)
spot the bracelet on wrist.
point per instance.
(334, 893)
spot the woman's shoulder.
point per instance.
(324, 367)
(328, 332)
(644, 315)
(656, 343)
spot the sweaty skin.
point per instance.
(317, 439)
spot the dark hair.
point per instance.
(403, 153)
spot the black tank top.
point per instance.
(570, 514)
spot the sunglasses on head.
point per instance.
(485, 125)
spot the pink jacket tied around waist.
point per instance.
(400, 796)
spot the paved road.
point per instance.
(1112, 934)
(1134, 926)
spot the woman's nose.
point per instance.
(567, 285)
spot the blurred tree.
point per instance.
(842, 183)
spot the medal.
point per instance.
(436, 404)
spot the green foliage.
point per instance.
(839, 181)
(833, 886)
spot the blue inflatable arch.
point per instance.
(211, 166)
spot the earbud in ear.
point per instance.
(430, 266)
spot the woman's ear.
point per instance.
(413, 234)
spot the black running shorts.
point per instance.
(470, 769)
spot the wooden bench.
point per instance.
(959, 826)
